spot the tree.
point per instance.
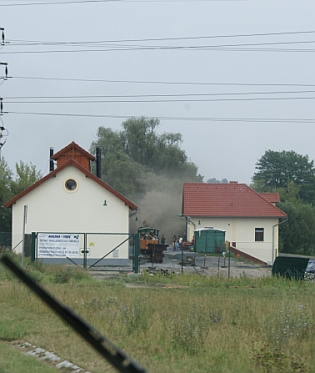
(297, 235)
(213, 180)
(5, 195)
(26, 175)
(135, 154)
(149, 168)
(157, 153)
(284, 170)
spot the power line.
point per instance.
(174, 38)
(165, 101)
(107, 1)
(209, 119)
(116, 45)
(160, 95)
(60, 2)
(208, 48)
(162, 100)
(165, 82)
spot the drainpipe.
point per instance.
(273, 238)
(188, 221)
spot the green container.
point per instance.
(209, 240)
(290, 267)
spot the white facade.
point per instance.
(241, 231)
(90, 208)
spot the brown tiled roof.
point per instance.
(226, 200)
(87, 173)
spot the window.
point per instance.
(259, 234)
(71, 184)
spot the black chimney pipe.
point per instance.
(51, 163)
(98, 162)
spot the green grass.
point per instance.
(12, 360)
(178, 323)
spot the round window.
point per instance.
(71, 184)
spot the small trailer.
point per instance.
(156, 252)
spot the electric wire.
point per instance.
(183, 38)
(212, 48)
(118, 45)
(164, 82)
(209, 119)
(118, 1)
(161, 95)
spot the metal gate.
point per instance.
(87, 249)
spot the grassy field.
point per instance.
(179, 323)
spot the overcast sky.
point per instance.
(235, 78)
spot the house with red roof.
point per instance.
(73, 213)
(250, 219)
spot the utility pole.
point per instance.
(5, 77)
(2, 35)
(5, 70)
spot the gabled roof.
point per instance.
(87, 173)
(75, 152)
(70, 148)
(226, 200)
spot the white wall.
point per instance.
(242, 231)
(52, 208)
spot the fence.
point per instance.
(6, 240)
(87, 249)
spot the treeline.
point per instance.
(293, 176)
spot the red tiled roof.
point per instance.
(271, 197)
(226, 200)
(87, 173)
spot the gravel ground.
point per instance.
(209, 266)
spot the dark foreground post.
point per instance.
(119, 359)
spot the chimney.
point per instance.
(51, 163)
(98, 162)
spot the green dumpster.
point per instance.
(290, 267)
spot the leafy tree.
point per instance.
(285, 170)
(213, 180)
(140, 140)
(148, 168)
(117, 169)
(135, 154)
(297, 235)
(157, 153)
(26, 175)
(5, 195)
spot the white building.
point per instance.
(72, 200)
(250, 220)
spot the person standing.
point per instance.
(180, 241)
(174, 243)
(163, 239)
